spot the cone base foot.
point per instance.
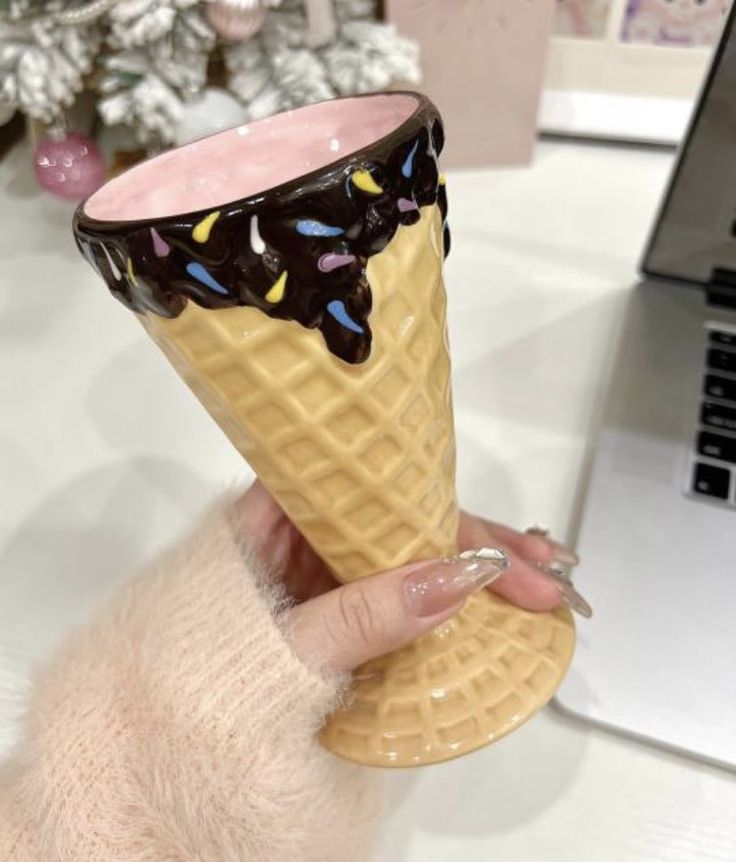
(464, 685)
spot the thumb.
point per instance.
(347, 626)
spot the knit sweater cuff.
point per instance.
(208, 622)
(180, 724)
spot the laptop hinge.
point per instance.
(721, 290)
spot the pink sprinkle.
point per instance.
(406, 206)
(159, 246)
(328, 262)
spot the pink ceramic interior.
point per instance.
(249, 159)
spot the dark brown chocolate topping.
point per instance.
(319, 231)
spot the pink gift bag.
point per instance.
(483, 65)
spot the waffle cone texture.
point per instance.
(360, 457)
(468, 683)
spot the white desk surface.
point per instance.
(104, 457)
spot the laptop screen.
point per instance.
(694, 238)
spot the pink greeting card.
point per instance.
(483, 65)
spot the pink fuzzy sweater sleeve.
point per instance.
(179, 725)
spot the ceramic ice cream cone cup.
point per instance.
(291, 271)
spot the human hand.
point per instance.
(342, 626)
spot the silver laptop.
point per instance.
(658, 533)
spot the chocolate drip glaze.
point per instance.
(318, 231)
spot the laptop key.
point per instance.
(720, 387)
(716, 446)
(718, 416)
(722, 360)
(712, 481)
(721, 337)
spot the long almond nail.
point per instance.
(435, 588)
(559, 569)
(570, 596)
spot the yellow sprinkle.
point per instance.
(131, 274)
(276, 293)
(443, 180)
(364, 181)
(201, 232)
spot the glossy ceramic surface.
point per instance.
(361, 457)
(251, 159)
(309, 319)
(463, 686)
(296, 250)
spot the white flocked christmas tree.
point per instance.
(148, 61)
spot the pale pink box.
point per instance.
(483, 64)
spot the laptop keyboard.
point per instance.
(714, 472)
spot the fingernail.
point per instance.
(561, 570)
(570, 596)
(538, 530)
(436, 587)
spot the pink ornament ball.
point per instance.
(236, 20)
(68, 165)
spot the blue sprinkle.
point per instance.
(408, 167)
(337, 309)
(310, 227)
(196, 270)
